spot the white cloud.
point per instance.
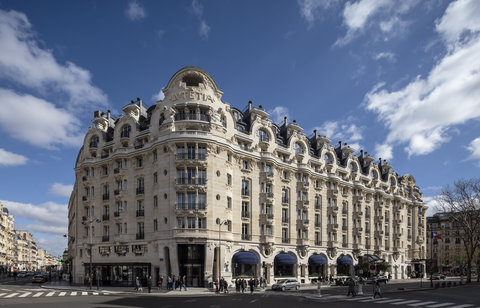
(278, 113)
(387, 55)
(310, 9)
(53, 246)
(345, 131)
(196, 8)
(382, 14)
(23, 62)
(460, 19)
(161, 33)
(37, 121)
(424, 112)
(11, 159)
(52, 216)
(384, 151)
(135, 11)
(433, 205)
(158, 96)
(62, 190)
(474, 148)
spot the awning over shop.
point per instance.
(345, 260)
(317, 259)
(245, 257)
(285, 258)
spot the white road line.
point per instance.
(95, 293)
(461, 306)
(440, 305)
(11, 295)
(5, 289)
(73, 293)
(25, 294)
(37, 294)
(84, 293)
(421, 304)
(62, 293)
(406, 302)
(357, 298)
(373, 299)
(2, 294)
(50, 294)
(389, 301)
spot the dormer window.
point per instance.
(125, 133)
(262, 135)
(353, 168)
(373, 174)
(328, 159)
(298, 148)
(192, 80)
(94, 141)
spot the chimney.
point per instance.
(249, 105)
(315, 132)
(108, 117)
(140, 103)
(285, 121)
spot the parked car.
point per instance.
(30, 274)
(286, 284)
(438, 276)
(39, 278)
(22, 275)
(383, 279)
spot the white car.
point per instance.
(286, 284)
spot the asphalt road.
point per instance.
(458, 297)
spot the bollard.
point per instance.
(319, 288)
(360, 289)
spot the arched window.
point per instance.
(353, 167)
(125, 133)
(94, 141)
(298, 148)
(392, 181)
(262, 135)
(223, 120)
(373, 174)
(328, 159)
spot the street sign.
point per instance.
(373, 267)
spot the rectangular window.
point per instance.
(125, 230)
(155, 225)
(202, 223)
(155, 201)
(229, 180)
(139, 162)
(191, 222)
(192, 200)
(155, 178)
(119, 228)
(245, 212)
(181, 222)
(229, 203)
(202, 201)
(181, 201)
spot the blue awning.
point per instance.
(245, 257)
(345, 260)
(317, 259)
(285, 258)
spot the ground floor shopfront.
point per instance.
(202, 262)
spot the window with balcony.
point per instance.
(192, 200)
(202, 201)
(181, 201)
(245, 210)
(181, 222)
(140, 186)
(140, 208)
(284, 196)
(245, 188)
(263, 135)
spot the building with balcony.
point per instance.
(204, 189)
(7, 243)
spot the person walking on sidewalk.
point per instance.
(137, 284)
(376, 290)
(149, 284)
(183, 283)
(351, 288)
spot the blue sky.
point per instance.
(399, 79)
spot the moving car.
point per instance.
(286, 284)
(39, 278)
(438, 276)
(383, 279)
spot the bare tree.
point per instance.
(461, 202)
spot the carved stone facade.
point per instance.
(161, 187)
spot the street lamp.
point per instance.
(220, 223)
(90, 222)
(72, 238)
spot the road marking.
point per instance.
(73, 293)
(406, 302)
(84, 293)
(440, 305)
(5, 289)
(421, 304)
(11, 295)
(389, 300)
(25, 294)
(37, 294)
(373, 299)
(62, 293)
(50, 294)
(461, 306)
(355, 298)
(95, 293)
(2, 294)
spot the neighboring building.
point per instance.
(26, 249)
(448, 251)
(46, 260)
(7, 244)
(157, 189)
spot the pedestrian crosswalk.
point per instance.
(47, 293)
(391, 301)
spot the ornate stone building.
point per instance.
(158, 190)
(7, 243)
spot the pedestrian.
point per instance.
(183, 283)
(149, 284)
(225, 286)
(159, 283)
(376, 290)
(237, 285)
(351, 288)
(70, 278)
(173, 283)
(137, 284)
(252, 285)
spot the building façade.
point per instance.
(158, 190)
